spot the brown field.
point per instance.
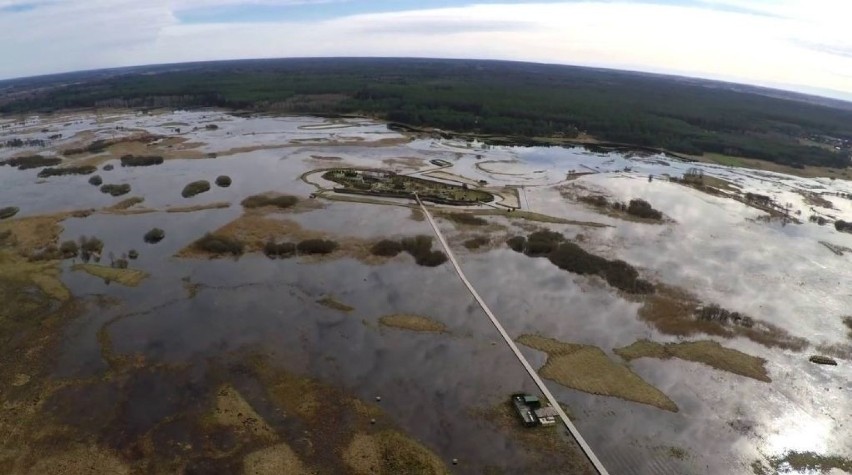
(202, 207)
(671, 310)
(415, 323)
(588, 369)
(707, 352)
(126, 277)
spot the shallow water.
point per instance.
(433, 385)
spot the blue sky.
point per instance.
(801, 45)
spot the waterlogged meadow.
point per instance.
(267, 322)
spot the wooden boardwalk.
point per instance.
(533, 374)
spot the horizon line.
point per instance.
(806, 91)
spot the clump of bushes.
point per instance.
(642, 209)
(316, 246)
(154, 236)
(90, 247)
(211, 127)
(715, 313)
(96, 180)
(32, 161)
(465, 218)
(637, 207)
(97, 146)
(219, 245)
(8, 212)
(282, 250)
(619, 274)
(133, 254)
(195, 188)
(386, 248)
(108, 167)
(141, 161)
(818, 220)
(116, 190)
(79, 170)
(120, 263)
(260, 201)
(223, 181)
(843, 226)
(542, 243)
(420, 248)
(595, 200)
(49, 253)
(572, 258)
(69, 249)
(517, 243)
(477, 242)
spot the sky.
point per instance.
(801, 45)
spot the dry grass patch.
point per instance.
(44, 274)
(33, 233)
(390, 452)
(126, 277)
(125, 204)
(232, 410)
(546, 451)
(81, 460)
(417, 215)
(332, 303)
(255, 229)
(672, 311)
(414, 323)
(191, 209)
(708, 352)
(586, 368)
(804, 462)
(279, 459)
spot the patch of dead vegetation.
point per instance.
(33, 233)
(707, 352)
(803, 462)
(202, 207)
(390, 452)
(279, 459)
(417, 215)
(415, 323)
(413, 163)
(672, 311)
(330, 302)
(545, 450)
(587, 368)
(125, 204)
(232, 410)
(124, 276)
(255, 228)
(81, 460)
(836, 350)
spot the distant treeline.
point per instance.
(485, 97)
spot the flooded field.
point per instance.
(275, 326)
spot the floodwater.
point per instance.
(436, 386)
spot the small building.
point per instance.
(532, 412)
(546, 415)
(525, 405)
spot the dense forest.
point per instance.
(483, 97)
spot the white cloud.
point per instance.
(788, 43)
